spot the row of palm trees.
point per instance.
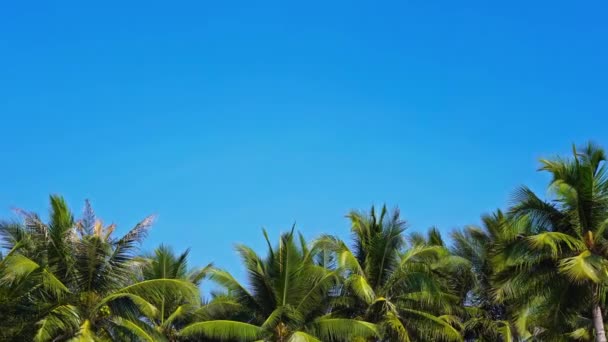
(537, 271)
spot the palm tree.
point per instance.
(489, 319)
(286, 299)
(387, 284)
(568, 255)
(22, 282)
(172, 309)
(86, 287)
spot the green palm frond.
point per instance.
(433, 327)
(358, 284)
(300, 336)
(145, 307)
(60, 234)
(157, 288)
(219, 307)
(544, 215)
(18, 268)
(195, 276)
(555, 242)
(138, 330)
(394, 329)
(434, 237)
(234, 288)
(318, 284)
(432, 300)
(505, 330)
(164, 263)
(584, 267)
(257, 273)
(61, 320)
(342, 329)
(345, 257)
(85, 333)
(179, 313)
(223, 330)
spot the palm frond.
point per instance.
(440, 329)
(555, 242)
(61, 320)
(342, 329)
(358, 284)
(158, 288)
(222, 330)
(142, 333)
(300, 336)
(219, 307)
(584, 267)
(235, 289)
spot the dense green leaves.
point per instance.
(537, 271)
(223, 330)
(287, 298)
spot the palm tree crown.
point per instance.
(390, 285)
(285, 301)
(537, 271)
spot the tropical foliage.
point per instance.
(535, 271)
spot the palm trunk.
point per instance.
(598, 324)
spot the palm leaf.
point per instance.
(61, 320)
(584, 267)
(135, 329)
(342, 329)
(441, 330)
(554, 242)
(361, 288)
(300, 336)
(223, 330)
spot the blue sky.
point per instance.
(224, 117)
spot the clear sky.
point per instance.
(224, 117)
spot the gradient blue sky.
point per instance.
(224, 117)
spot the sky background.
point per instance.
(223, 117)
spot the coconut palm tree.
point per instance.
(487, 318)
(173, 310)
(22, 284)
(569, 253)
(86, 289)
(286, 299)
(391, 285)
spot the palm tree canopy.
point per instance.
(285, 298)
(537, 271)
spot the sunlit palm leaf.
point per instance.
(142, 333)
(61, 320)
(301, 336)
(584, 267)
(223, 330)
(340, 329)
